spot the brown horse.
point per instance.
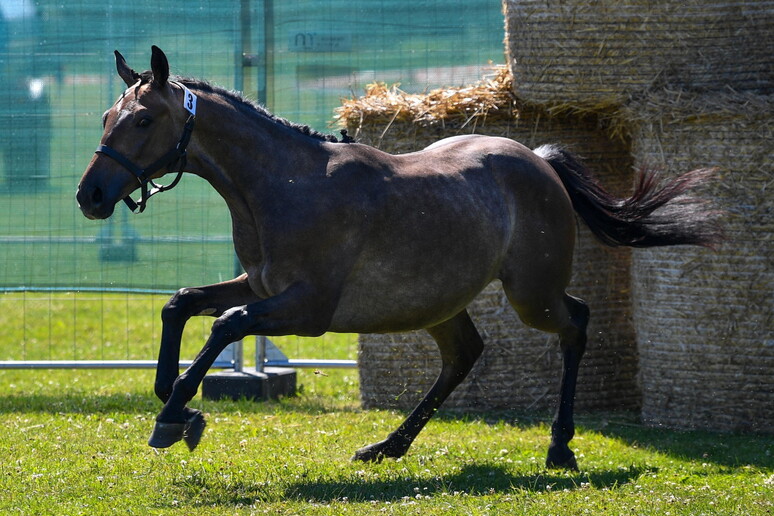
(338, 236)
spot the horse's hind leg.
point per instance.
(572, 339)
(567, 316)
(460, 346)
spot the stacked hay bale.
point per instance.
(520, 367)
(691, 83)
(595, 54)
(704, 318)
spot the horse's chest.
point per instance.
(270, 267)
(251, 258)
(248, 249)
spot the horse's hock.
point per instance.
(685, 333)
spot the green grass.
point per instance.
(74, 443)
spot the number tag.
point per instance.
(189, 100)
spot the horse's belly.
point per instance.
(425, 260)
(385, 300)
(373, 315)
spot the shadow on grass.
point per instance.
(701, 445)
(78, 403)
(471, 480)
(75, 401)
(704, 446)
(101, 391)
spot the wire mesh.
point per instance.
(57, 76)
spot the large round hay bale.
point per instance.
(704, 318)
(600, 52)
(520, 367)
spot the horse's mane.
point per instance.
(245, 104)
(249, 106)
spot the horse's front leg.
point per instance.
(290, 313)
(210, 300)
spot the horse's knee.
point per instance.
(227, 327)
(573, 336)
(172, 308)
(579, 312)
(182, 305)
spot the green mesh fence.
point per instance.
(299, 58)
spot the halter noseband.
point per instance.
(176, 155)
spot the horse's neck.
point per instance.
(248, 159)
(239, 148)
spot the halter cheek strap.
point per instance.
(175, 156)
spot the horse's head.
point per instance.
(139, 131)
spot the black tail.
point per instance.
(655, 215)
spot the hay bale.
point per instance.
(382, 105)
(520, 367)
(596, 54)
(703, 318)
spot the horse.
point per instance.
(337, 236)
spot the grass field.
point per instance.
(74, 443)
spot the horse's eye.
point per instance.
(144, 122)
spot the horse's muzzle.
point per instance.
(91, 201)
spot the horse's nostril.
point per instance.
(96, 196)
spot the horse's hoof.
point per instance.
(368, 454)
(378, 451)
(166, 434)
(561, 458)
(194, 428)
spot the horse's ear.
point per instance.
(159, 66)
(129, 76)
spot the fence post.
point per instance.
(260, 352)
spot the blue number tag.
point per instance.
(189, 101)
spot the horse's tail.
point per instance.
(655, 215)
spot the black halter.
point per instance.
(175, 156)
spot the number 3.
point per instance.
(189, 100)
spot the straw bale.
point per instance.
(520, 367)
(704, 318)
(594, 54)
(490, 97)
